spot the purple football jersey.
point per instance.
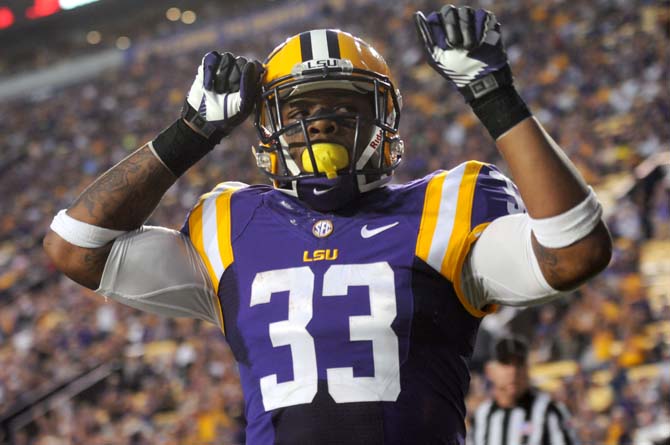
(350, 327)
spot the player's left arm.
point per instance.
(550, 186)
(568, 238)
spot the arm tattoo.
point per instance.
(545, 256)
(93, 262)
(124, 197)
(121, 199)
(95, 259)
(548, 261)
(85, 266)
(567, 267)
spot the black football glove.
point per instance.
(465, 46)
(223, 94)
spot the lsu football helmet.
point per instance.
(310, 63)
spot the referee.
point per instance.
(517, 414)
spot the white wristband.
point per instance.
(82, 234)
(568, 227)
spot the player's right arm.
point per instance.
(221, 97)
(121, 199)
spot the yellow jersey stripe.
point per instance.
(217, 245)
(462, 220)
(429, 216)
(222, 204)
(445, 237)
(471, 238)
(210, 238)
(209, 228)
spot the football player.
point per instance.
(351, 305)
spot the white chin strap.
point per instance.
(293, 168)
(370, 149)
(373, 146)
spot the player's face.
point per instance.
(339, 128)
(509, 382)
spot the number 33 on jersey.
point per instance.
(350, 329)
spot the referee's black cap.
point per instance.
(510, 350)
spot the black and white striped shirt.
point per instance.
(535, 420)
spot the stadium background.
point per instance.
(81, 88)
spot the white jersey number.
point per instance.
(514, 202)
(376, 327)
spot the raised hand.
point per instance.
(223, 94)
(465, 46)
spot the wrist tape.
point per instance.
(82, 234)
(500, 110)
(179, 147)
(483, 86)
(570, 226)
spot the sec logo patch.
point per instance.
(322, 228)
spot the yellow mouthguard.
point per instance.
(329, 158)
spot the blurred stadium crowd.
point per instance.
(595, 73)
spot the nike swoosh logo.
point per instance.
(369, 233)
(318, 192)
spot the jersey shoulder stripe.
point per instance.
(209, 226)
(445, 220)
(458, 205)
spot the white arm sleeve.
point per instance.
(501, 267)
(158, 270)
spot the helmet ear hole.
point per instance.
(266, 158)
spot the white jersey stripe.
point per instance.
(209, 235)
(534, 420)
(515, 425)
(538, 412)
(556, 436)
(496, 428)
(446, 216)
(480, 422)
(319, 44)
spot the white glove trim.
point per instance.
(211, 105)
